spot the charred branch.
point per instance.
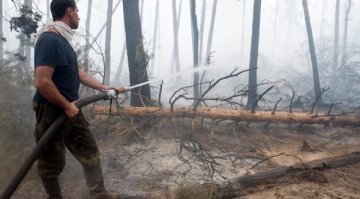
(234, 73)
(259, 98)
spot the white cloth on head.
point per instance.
(62, 28)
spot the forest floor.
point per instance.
(170, 158)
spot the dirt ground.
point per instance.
(155, 159)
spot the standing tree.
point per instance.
(155, 35)
(137, 58)
(201, 33)
(175, 62)
(1, 34)
(252, 95)
(211, 31)
(336, 48)
(195, 34)
(87, 36)
(48, 8)
(81, 57)
(27, 40)
(142, 10)
(317, 87)
(121, 65)
(122, 57)
(346, 23)
(107, 68)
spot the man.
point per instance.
(57, 80)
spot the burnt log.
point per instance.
(321, 164)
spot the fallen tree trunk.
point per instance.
(321, 164)
(237, 115)
(311, 171)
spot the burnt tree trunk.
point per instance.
(104, 25)
(121, 65)
(317, 88)
(211, 33)
(107, 68)
(175, 62)
(155, 36)
(336, 49)
(48, 8)
(137, 58)
(1, 34)
(201, 32)
(87, 36)
(195, 33)
(327, 163)
(28, 45)
(346, 23)
(252, 96)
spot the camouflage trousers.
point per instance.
(74, 135)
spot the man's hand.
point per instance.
(120, 90)
(71, 110)
(117, 90)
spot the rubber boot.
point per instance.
(95, 183)
(52, 187)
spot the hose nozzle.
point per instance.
(111, 94)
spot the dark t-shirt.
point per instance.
(54, 50)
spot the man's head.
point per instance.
(65, 11)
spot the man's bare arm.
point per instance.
(89, 81)
(47, 88)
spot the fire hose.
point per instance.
(50, 132)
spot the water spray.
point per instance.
(201, 68)
(127, 88)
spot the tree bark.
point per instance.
(195, 33)
(346, 23)
(321, 164)
(1, 34)
(252, 96)
(137, 58)
(317, 88)
(142, 9)
(336, 48)
(201, 32)
(121, 65)
(87, 37)
(155, 36)
(211, 32)
(107, 68)
(237, 115)
(175, 62)
(28, 45)
(48, 14)
(103, 27)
